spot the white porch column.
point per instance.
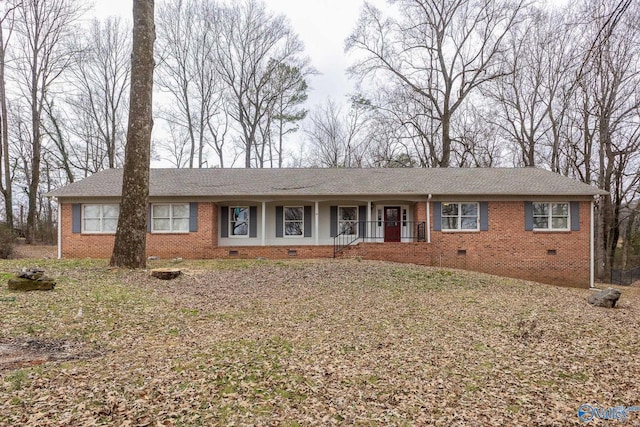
(368, 228)
(264, 224)
(316, 218)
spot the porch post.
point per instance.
(316, 218)
(264, 224)
(369, 231)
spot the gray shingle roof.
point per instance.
(336, 182)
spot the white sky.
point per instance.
(322, 25)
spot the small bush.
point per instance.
(7, 242)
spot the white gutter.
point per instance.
(592, 246)
(59, 228)
(428, 218)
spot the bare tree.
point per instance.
(131, 235)
(606, 93)
(101, 81)
(7, 22)
(442, 51)
(44, 28)
(187, 39)
(531, 104)
(339, 139)
(477, 143)
(254, 43)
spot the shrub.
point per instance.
(7, 241)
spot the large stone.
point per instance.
(24, 284)
(606, 298)
(31, 273)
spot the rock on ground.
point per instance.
(606, 298)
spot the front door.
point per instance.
(391, 224)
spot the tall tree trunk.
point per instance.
(446, 141)
(130, 244)
(36, 144)
(4, 148)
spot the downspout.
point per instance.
(592, 246)
(429, 218)
(59, 228)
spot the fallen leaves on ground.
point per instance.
(323, 342)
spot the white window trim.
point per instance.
(460, 230)
(230, 229)
(284, 223)
(550, 228)
(171, 218)
(101, 218)
(356, 221)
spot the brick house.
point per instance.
(524, 223)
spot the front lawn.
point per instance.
(310, 343)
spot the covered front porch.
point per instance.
(334, 222)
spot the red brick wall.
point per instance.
(506, 249)
(198, 244)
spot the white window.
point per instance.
(294, 221)
(239, 221)
(100, 218)
(550, 216)
(348, 220)
(170, 218)
(460, 216)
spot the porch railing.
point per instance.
(374, 231)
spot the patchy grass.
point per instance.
(323, 342)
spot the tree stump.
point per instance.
(166, 273)
(31, 279)
(24, 284)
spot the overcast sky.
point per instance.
(322, 25)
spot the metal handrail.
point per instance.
(374, 231)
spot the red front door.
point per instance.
(391, 224)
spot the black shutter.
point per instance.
(362, 221)
(193, 217)
(253, 221)
(528, 216)
(76, 218)
(484, 216)
(575, 216)
(333, 217)
(224, 221)
(279, 221)
(437, 216)
(307, 221)
(149, 219)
